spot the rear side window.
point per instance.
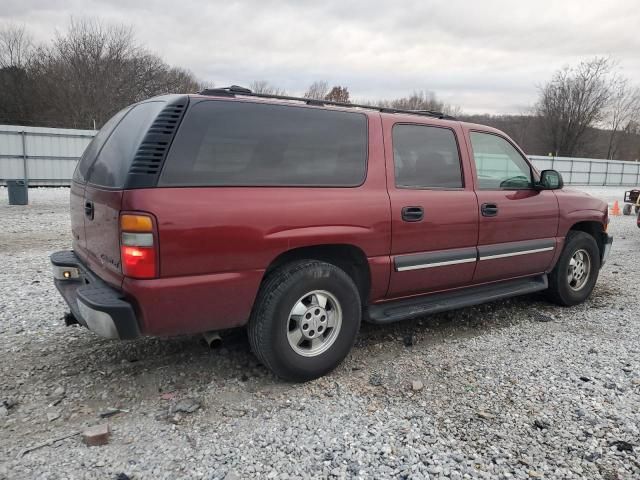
(112, 164)
(426, 157)
(90, 153)
(250, 144)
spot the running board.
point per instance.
(439, 302)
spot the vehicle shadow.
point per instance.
(104, 371)
(183, 362)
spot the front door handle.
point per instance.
(412, 214)
(88, 210)
(489, 209)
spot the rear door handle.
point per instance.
(412, 214)
(489, 209)
(88, 210)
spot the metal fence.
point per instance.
(589, 171)
(48, 156)
(42, 156)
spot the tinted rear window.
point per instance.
(236, 143)
(90, 153)
(426, 157)
(112, 165)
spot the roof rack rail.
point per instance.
(234, 90)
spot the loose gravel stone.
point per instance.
(488, 374)
(96, 435)
(58, 392)
(53, 415)
(188, 405)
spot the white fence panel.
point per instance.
(590, 171)
(49, 155)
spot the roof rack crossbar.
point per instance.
(235, 90)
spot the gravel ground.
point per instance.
(511, 389)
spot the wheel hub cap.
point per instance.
(314, 323)
(579, 269)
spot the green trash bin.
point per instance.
(18, 192)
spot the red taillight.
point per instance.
(139, 262)
(137, 246)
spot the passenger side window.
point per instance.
(498, 164)
(426, 157)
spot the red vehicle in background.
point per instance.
(297, 218)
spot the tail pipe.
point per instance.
(213, 339)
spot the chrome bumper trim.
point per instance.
(98, 322)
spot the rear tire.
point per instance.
(574, 276)
(305, 320)
(626, 210)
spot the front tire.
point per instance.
(305, 320)
(574, 276)
(626, 209)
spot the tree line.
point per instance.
(588, 110)
(82, 77)
(86, 74)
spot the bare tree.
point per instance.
(338, 94)
(264, 87)
(418, 100)
(16, 46)
(574, 100)
(453, 110)
(16, 53)
(422, 100)
(623, 111)
(318, 90)
(204, 84)
(95, 69)
(92, 70)
(180, 80)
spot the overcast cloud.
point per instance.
(485, 56)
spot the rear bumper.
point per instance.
(96, 305)
(607, 240)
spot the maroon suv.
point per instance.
(298, 218)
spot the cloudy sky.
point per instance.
(484, 56)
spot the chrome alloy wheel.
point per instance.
(314, 323)
(579, 269)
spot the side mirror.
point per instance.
(550, 180)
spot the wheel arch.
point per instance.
(593, 228)
(348, 257)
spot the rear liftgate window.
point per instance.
(114, 160)
(91, 152)
(236, 143)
